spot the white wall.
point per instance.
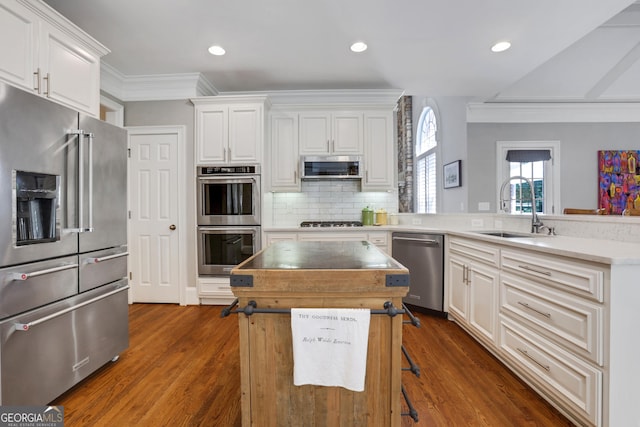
(579, 144)
(453, 146)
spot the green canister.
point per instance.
(367, 216)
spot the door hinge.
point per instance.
(130, 276)
(129, 214)
(129, 152)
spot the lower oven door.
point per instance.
(46, 351)
(222, 248)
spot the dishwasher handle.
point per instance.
(415, 239)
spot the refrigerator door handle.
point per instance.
(105, 258)
(81, 182)
(31, 275)
(90, 179)
(26, 326)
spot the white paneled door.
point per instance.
(154, 232)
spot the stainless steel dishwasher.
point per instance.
(423, 255)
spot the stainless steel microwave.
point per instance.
(331, 167)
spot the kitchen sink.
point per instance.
(509, 234)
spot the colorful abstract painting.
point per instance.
(618, 180)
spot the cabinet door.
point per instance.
(330, 236)
(284, 153)
(271, 238)
(18, 37)
(483, 300)
(347, 133)
(211, 134)
(458, 288)
(71, 75)
(315, 133)
(379, 159)
(246, 126)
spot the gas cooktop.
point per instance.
(330, 224)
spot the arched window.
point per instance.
(425, 161)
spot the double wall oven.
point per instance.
(228, 217)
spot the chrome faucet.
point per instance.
(535, 221)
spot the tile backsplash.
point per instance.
(339, 200)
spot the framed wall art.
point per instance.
(618, 181)
(452, 174)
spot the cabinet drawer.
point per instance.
(478, 251)
(215, 286)
(564, 318)
(571, 276)
(378, 239)
(570, 380)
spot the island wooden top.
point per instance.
(292, 255)
(291, 267)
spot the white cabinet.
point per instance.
(552, 324)
(215, 290)
(378, 238)
(229, 130)
(283, 150)
(279, 236)
(18, 44)
(379, 154)
(336, 133)
(44, 53)
(332, 236)
(473, 287)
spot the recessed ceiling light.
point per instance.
(216, 50)
(358, 47)
(500, 46)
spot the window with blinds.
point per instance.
(533, 160)
(425, 162)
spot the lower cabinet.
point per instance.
(545, 317)
(378, 238)
(473, 288)
(215, 290)
(563, 377)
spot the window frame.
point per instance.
(551, 173)
(435, 151)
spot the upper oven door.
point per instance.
(229, 200)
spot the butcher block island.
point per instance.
(318, 275)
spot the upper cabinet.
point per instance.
(283, 153)
(379, 158)
(44, 53)
(336, 133)
(229, 129)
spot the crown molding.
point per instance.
(62, 24)
(334, 97)
(583, 112)
(157, 87)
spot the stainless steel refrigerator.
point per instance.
(63, 247)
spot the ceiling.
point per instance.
(569, 50)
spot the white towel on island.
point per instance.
(330, 346)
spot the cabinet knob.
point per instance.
(172, 227)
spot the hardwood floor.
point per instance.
(182, 369)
